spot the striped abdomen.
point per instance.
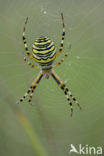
(44, 52)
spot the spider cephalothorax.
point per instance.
(44, 53)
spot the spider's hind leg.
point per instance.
(63, 37)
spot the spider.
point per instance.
(44, 53)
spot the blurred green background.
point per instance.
(82, 71)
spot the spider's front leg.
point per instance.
(31, 88)
(66, 91)
(37, 80)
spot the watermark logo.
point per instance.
(85, 149)
(73, 149)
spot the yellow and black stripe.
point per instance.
(66, 91)
(44, 52)
(31, 88)
(63, 37)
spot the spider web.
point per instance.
(82, 71)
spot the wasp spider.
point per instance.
(44, 53)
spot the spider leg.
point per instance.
(25, 43)
(30, 64)
(36, 82)
(32, 87)
(31, 95)
(74, 99)
(63, 58)
(66, 91)
(63, 36)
